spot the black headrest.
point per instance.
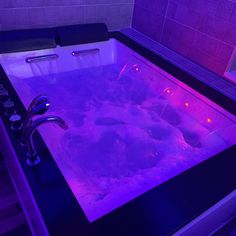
(80, 34)
(26, 40)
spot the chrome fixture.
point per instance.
(84, 52)
(16, 122)
(2, 87)
(33, 158)
(41, 58)
(4, 96)
(9, 108)
(38, 106)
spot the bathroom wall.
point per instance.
(202, 30)
(21, 14)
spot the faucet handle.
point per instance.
(36, 101)
(33, 159)
(9, 107)
(38, 106)
(16, 122)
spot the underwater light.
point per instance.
(209, 120)
(168, 91)
(186, 104)
(136, 67)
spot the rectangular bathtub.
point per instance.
(132, 126)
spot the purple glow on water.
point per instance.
(127, 134)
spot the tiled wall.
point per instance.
(202, 30)
(40, 13)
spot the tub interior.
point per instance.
(132, 126)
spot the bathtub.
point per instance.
(134, 131)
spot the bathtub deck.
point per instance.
(229, 228)
(12, 219)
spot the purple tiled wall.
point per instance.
(21, 14)
(202, 30)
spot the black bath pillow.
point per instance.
(26, 40)
(80, 34)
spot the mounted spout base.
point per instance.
(33, 160)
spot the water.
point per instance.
(124, 137)
(87, 59)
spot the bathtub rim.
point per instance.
(212, 94)
(74, 213)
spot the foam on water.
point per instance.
(124, 138)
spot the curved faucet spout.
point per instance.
(47, 119)
(33, 158)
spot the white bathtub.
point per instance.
(28, 80)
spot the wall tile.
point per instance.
(224, 52)
(22, 16)
(232, 18)
(205, 7)
(185, 15)
(230, 34)
(157, 6)
(7, 17)
(37, 17)
(219, 29)
(19, 14)
(225, 9)
(206, 43)
(202, 30)
(149, 23)
(115, 16)
(6, 4)
(177, 36)
(207, 60)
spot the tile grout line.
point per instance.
(72, 5)
(164, 21)
(228, 44)
(179, 64)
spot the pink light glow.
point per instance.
(186, 104)
(136, 67)
(168, 91)
(209, 120)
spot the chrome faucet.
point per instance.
(38, 106)
(33, 158)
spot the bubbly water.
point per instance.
(124, 138)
